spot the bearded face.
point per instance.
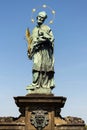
(40, 20)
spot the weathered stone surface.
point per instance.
(42, 106)
(12, 123)
(70, 127)
(40, 102)
(12, 119)
(69, 123)
(74, 120)
(69, 120)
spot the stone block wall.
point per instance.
(11, 123)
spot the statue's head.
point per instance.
(41, 17)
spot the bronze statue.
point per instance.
(41, 50)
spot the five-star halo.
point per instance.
(43, 6)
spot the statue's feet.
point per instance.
(30, 87)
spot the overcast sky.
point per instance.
(70, 31)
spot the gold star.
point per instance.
(44, 6)
(32, 20)
(51, 22)
(53, 12)
(33, 10)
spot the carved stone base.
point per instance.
(68, 123)
(40, 110)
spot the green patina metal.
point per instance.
(42, 53)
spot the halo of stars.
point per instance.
(43, 6)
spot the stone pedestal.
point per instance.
(40, 110)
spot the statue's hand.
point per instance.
(42, 39)
(29, 55)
